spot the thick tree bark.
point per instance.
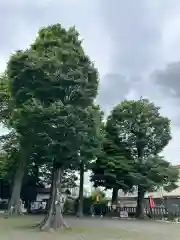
(114, 196)
(54, 218)
(140, 204)
(81, 192)
(14, 206)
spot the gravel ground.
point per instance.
(90, 229)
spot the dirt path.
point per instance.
(141, 229)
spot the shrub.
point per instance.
(88, 202)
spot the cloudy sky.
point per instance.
(135, 45)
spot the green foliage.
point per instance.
(102, 197)
(54, 69)
(113, 166)
(140, 125)
(154, 173)
(3, 164)
(5, 100)
(135, 133)
(9, 155)
(92, 137)
(51, 85)
(69, 178)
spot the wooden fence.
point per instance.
(120, 212)
(155, 213)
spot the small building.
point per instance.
(43, 195)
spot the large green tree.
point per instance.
(15, 157)
(90, 148)
(9, 149)
(112, 169)
(140, 126)
(10, 170)
(52, 84)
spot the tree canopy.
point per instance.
(135, 134)
(52, 85)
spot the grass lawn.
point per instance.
(20, 228)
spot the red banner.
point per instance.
(151, 202)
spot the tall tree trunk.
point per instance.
(54, 218)
(81, 192)
(114, 196)
(140, 204)
(14, 206)
(140, 144)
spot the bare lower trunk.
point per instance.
(114, 196)
(54, 218)
(140, 204)
(80, 203)
(15, 205)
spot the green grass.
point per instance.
(23, 228)
(20, 228)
